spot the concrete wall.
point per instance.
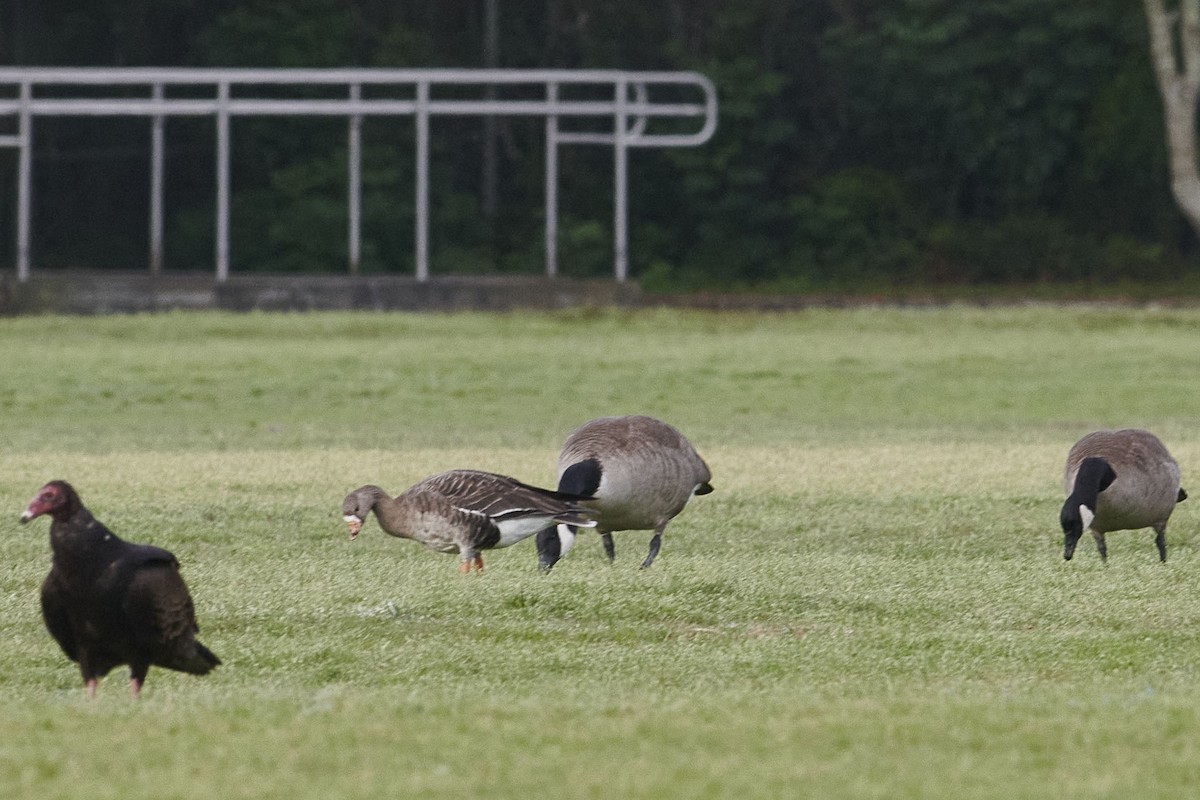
(118, 292)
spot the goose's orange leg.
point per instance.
(467, 565)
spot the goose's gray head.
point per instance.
(358, 505)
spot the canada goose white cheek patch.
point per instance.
(1087, 516)
(566, 539)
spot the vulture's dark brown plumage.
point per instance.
(109, 602)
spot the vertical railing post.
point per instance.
(157, 139)
(551, 183)
(24, 181)
(620, 171)
(422, 188)
(354, 164)
(223, 147)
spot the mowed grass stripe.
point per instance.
(204, 382)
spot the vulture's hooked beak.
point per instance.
(33, 511)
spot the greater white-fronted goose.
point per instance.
(638, 473)
(465, 511)
(1119, 480)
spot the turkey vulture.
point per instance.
(109, 602)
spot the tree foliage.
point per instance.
(860, 141)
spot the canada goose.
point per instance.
(638, 472)
(1115, 481)
(464, 511)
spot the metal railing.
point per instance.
(630, 105)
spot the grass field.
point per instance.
(872, 604)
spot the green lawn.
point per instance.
(872, 603)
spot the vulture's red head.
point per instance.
(56, 498)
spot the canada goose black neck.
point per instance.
(582, 478)
(1094, 476)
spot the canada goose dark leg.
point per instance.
(1101, 548)
(655, 544)
(609, 550)
(1160, 541)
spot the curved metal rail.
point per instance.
(626, 108)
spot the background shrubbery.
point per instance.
(860, 143)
